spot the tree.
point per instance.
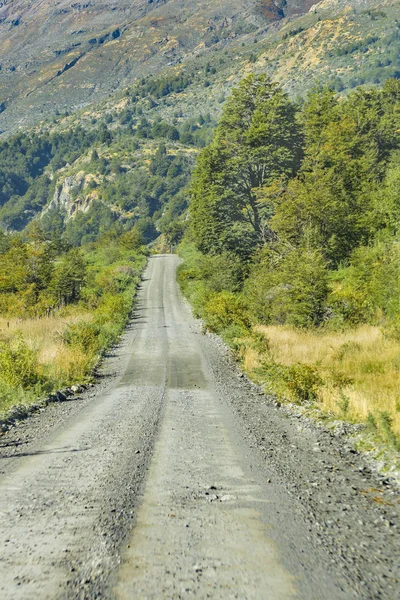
(256, 142)
(14, 268)
(5, 241)
(104, 135)
(348, 146)
(69, 277)
(288, 285)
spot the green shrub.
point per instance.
(260, 342)
(371, 422)
(112, 308)
(385, 426)
(225, 309)
(85, 336)
(288, 287)
(347, 349)
(381, 425)
(391, 330)
(303, 382)
(187, 274)
(221, 272)
(273, 376)
(344, 403)
(298, 382)
(339, 379)
(11, 396)
(19, 365)
(233, 336)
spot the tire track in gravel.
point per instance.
(174, 478)
(70, 484)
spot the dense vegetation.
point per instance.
(133, 166)
(302, 203)
(85, 294)
(295, 216)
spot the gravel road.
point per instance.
(174, 477)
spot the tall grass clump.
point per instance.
(354, 374)
(22, 377)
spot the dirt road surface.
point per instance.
(173, 477)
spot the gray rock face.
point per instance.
(70, 196)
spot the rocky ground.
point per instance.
(176, 477)
(353, 510)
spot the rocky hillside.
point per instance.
(60, 56)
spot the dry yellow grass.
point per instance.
(251, 359)
(45, 337)
(359, 367)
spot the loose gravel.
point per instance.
(353, 510)
(176, 477)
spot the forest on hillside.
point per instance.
(133, 166)
(294, 223)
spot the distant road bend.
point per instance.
(146, 487)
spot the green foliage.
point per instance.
(85, 336)
(256, 142)
(348, 145)
(38, 276)
(368, 289)
(88, 226)
(385, 425)
(211, 283)
(151, 195)
(316, 240)
(381, 426)
(221, 272)
(299, 382)
(69, 277)
(225, 309)
(260, 342)
(100, 279)
(174, 232)
(19, 365)
(344, 403)
(159, 87)
(303, 382)
(288, 286)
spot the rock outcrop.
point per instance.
(72, 196)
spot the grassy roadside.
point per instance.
(41, 355)
(351, 375)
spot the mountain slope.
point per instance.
(62, 56)
(68, 56)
